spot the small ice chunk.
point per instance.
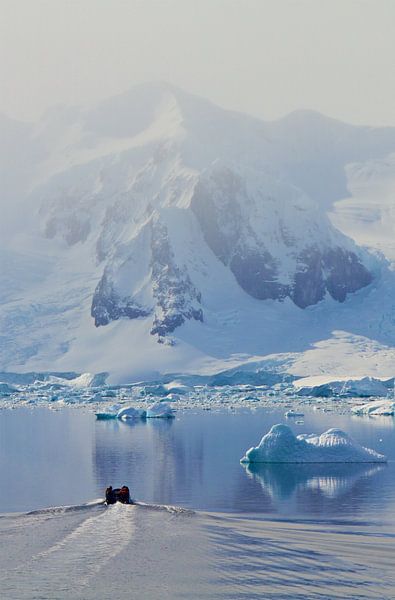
(160, 409)
(293, 413)
(281, 445)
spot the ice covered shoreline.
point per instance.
(91, 392)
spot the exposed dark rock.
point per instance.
(309, 286)
(256, 273)
(335, 270)
(215, 206)
(176, 296)
(108, 306)
(346, 273)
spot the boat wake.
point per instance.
(78, 551)
(56, 510)
(173, 510)
(94, 551)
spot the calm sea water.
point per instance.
(273, 532)
(52, 458)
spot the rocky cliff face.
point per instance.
(170, 296)
(274, 245)
(275, 251)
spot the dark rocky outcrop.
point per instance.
(335, 270)
(256, 273)
(176, 297)
(108, 306)
(218, 202)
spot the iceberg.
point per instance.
(130, 413)
(160, 410)
(281, 445)
(383, 408)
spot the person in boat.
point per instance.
(124, 495)
(110, 495)
(118, 495)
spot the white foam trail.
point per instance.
(83, 552)
(64, 509)
(177, 510)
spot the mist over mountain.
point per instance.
(156, 216)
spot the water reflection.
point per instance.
(192, 461)
(144, 454)
(381, 421)
(315, 486)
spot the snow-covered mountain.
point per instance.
(158, 216)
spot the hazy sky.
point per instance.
(264, 57)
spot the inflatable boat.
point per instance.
(114, 495)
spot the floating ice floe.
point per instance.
(281, 445)
(380, 408)
(105, 416)
(160, 409)
(293, 413)
(364, 387)
(131, 413)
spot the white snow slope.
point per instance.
(157, 216)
